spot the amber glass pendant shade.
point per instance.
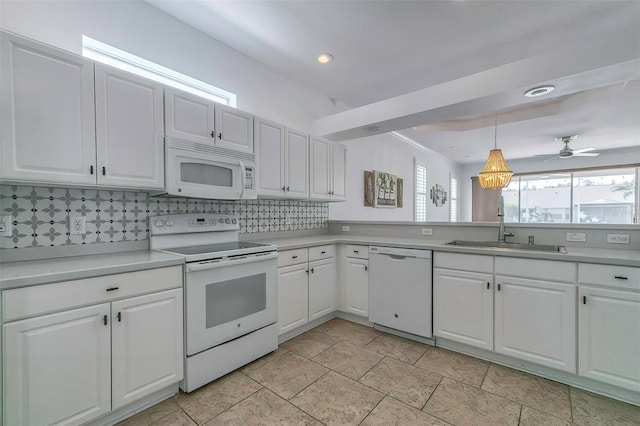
(495, 174)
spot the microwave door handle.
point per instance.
(242, 179)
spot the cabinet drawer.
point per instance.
(463, 262)
(292, 257)
(549, 270)
(36, 300)
(322, 252)
(609, 275)
(359, 252)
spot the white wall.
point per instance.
(145, 31)
(622, 156)
(389, 154)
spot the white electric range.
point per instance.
(231, 293)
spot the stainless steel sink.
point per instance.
(512, 246)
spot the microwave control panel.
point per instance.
(249, 173)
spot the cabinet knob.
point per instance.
(584, 300)
(104, 320)
(219, 135)
(323, 252)
(119, 316)
(294, 257)
(620, 277)
(113, 288)
(90, 169)
(213, 135)
(104, 171)
(488, 285)
(366, 268)
(312, 270)
(498, 287)
(284, 188)
(287, 189)
(395, 315)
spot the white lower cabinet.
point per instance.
(536, 321)
(356, 282)
(323, 289)
(463, 307)
(307, 286)
(73, 366)
(146, 345)
(293, 297)
(609, 342)
(57, 368)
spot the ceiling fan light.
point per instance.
(495, 174)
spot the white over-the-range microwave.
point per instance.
(205, 171)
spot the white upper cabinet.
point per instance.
(296, 164)
(188, 116)
(234, 129)
(129, 129)
(320, 182)
(327, 170)
(269, 138)
(47, 115)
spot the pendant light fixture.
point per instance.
(495, 174)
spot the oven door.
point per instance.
(229, 299)
(204, 176)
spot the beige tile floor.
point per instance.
(341, 373)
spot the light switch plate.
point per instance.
(5, 226)
(576, 236)
(617, 239)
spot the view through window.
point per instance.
(594, 196)
(421, 192)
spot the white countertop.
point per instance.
(44, 271)
(574, 254)
(34, 272)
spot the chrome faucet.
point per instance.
(501, 233)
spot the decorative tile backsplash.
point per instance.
(40, 216)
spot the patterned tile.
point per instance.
(346, 358)
(39, 213)
(393, 412)
(453, 365)
(398, 348)
(594, 410)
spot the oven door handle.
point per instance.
(201, 266)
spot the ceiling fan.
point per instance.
(567, 152)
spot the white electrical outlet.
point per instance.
(5, 226)
(346, 228)
(77, 225)
(617, 238)
(426, 231)
(576, 236)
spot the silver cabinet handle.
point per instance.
(113, 288)
(620, 277)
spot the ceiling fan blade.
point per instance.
(586, 154)
(546, 155)
(579, 151)
(555, 157)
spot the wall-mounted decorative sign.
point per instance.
(382, 189)
(438, 195)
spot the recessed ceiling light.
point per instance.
(324, 58)
(539, 91)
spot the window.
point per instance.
(125, 61)
(593, 196)
(421, 192)
(453, 199)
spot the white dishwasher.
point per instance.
(400, 289)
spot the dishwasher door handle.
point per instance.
(397, 256)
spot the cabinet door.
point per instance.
(129, 128)
(234, 129)
(269, 138)
(293, 297)
(356, 283)
(338, 172)
(609, 340)
(323, 288)
(536, 321)
(147, 345)
(47, 119)
(463, 307)
(57, 368)
(188, 117)
(296, 164)
(320, 179)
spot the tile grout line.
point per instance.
(520, 415)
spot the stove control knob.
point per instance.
(227, 220)
(234, 221)
(159, 223)
(169, 223)
(221, 220)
